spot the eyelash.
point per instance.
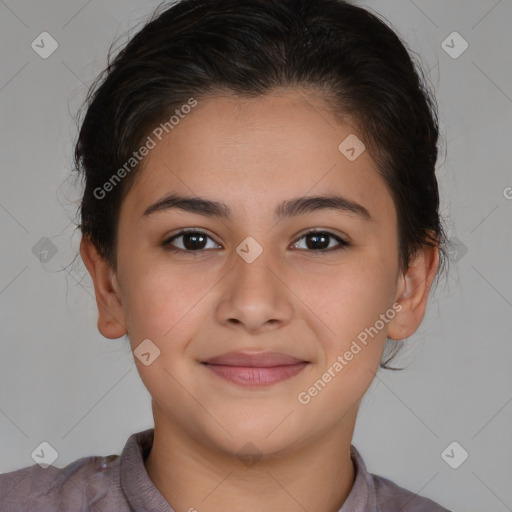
(343, 244)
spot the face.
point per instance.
(252, 281)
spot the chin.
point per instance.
(263, 434)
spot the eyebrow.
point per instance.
(288, 208)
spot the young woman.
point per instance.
(260, 218)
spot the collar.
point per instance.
(143, 496)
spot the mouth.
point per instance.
(255, 369)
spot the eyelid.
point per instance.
(328, 231)
(343, 243)
(184, 231)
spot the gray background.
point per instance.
(62, 382)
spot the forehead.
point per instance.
(250, 151)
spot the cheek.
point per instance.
(350, 302)
(159, 298)
(351, 297)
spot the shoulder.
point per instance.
(392, 497)
(379, 494)
(76, 486)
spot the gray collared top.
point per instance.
(121, 484)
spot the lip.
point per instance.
(255, 369)
(254, 359)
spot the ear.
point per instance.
(412, 293)
(111, 321)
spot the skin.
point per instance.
(252, 154)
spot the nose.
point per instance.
(255, 296)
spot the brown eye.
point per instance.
(318, 241)
(192, 241)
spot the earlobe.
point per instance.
(111, 321)
(413, 292)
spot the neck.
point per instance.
(316, 476)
